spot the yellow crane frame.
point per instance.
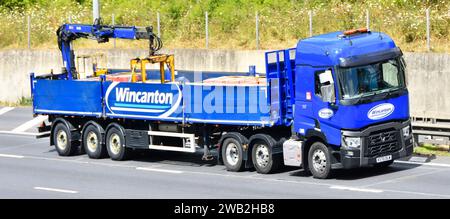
(161, 59)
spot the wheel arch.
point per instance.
(312, 136)
(66, 123)
(98, 126)
(272, 143)
(121, 129)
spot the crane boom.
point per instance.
(67, 33)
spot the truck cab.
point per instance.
(351, 104)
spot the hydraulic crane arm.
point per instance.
(67, 33)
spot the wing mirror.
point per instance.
(327, 87)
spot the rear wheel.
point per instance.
(93, 144)
(62, 139)
(232, 154)
(115, 144)
(263, 159)
(319, 161)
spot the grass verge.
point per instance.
(22, 102)
(428, 149)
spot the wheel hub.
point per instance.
(61, 139)
(262, 155)
(92, 141)
(319, 160)
(115, 143)
(232, 154)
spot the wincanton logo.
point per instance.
(381, 111)
(125, 95)
(157, 100)
(326, 113)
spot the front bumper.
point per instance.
(364, 156)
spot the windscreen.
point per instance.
(372, 79)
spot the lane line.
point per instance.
(5, 148)
(19, 133)
(30, 124)
(273, 180)
(159, 170)
(12, 156)
(404, 178)
(356, 189)
(56, 190)
(418, 193)
(5, 110)
(423, 164)
(85, 160)
(264, 179)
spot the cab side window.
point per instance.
(317, 84)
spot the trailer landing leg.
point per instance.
(206, 142)
(207, 154)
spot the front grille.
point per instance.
(383, 142)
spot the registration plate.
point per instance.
(384, 159)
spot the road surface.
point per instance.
(30, 168)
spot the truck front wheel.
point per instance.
(115, 143)
(319, 161)
(62, 139)
(232, 154)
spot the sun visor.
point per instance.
(367, 59)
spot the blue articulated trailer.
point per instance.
(335, 101)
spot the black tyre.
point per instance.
(62, 138)
(263, 159)
(232, 155)
(93, 144)
(319, 161)
(115, 144)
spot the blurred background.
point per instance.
(232, 24)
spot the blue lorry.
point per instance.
(337, 100)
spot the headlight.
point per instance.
(353, 142)
(407, 131)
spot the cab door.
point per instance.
(325, 104)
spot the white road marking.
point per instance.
(423, 164)
(30, 124)
(12, 156)
(355, 189)
(5, 110)
(263, 178)
(56, 190)
(418, 193)
(19, 133)
(406, 177)
(5, 148)
(159, 170)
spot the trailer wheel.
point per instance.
(62, 139)
(115, 144)
(232, 154)
(92, 142)
(319, 161)
(263, 159)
